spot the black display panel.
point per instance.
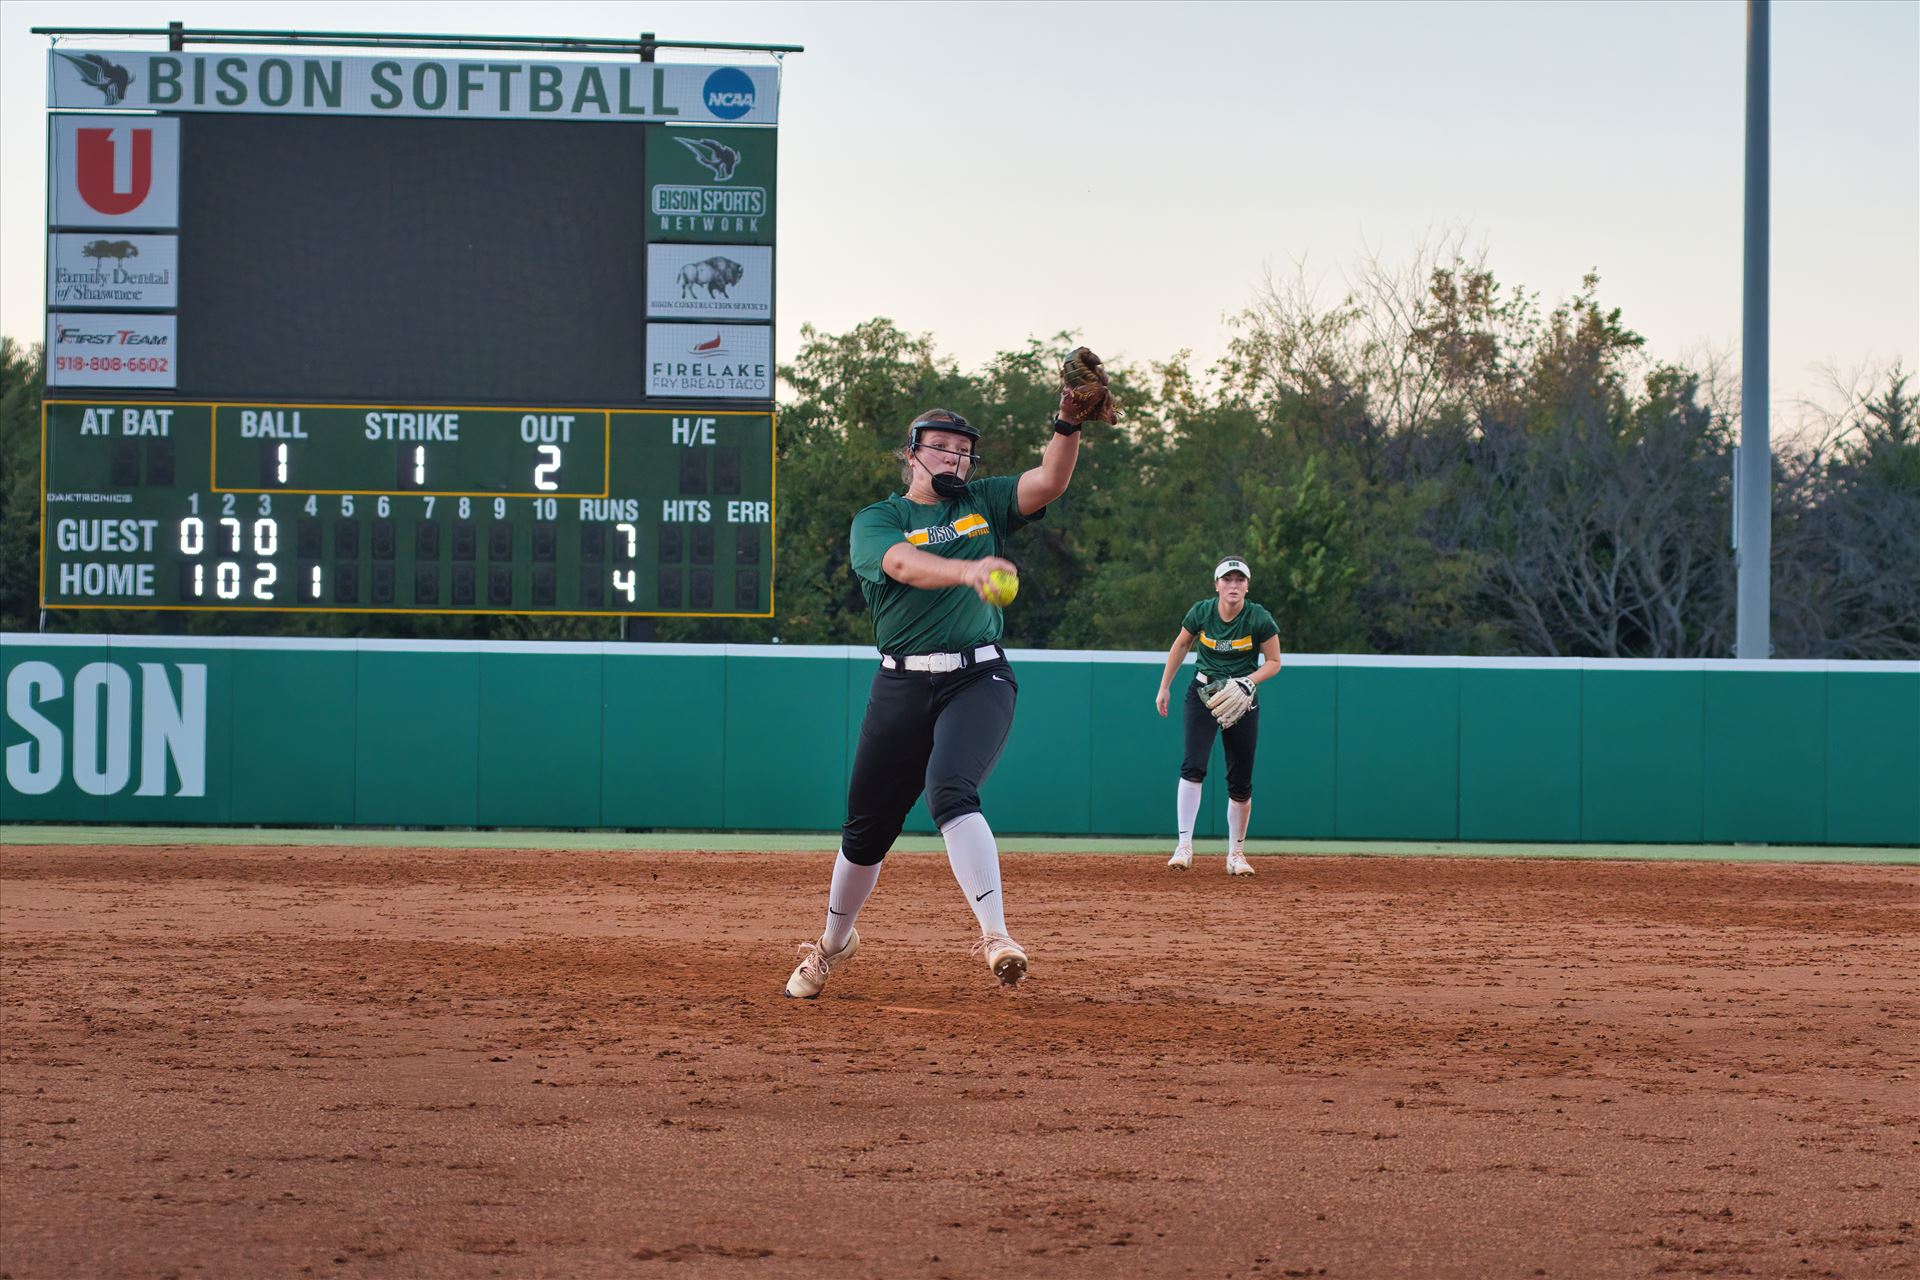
(412, 261)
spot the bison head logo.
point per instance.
(719, 158)
(110, 78)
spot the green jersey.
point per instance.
(909, 620)
(1228, 649)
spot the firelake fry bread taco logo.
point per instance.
(710, 361)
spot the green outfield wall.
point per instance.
(104, 729)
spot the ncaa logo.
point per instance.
(728, 93)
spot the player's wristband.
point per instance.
(1061, 427)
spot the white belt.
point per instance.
(941, 662)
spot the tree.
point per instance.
(22, 374)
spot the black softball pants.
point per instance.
(941, 734)
(1238, 742)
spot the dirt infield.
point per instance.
(334, 1062)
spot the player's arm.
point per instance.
(1270, 661)
(1182, 645)
(1048, 481)
(908, 564)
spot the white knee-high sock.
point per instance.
(975, 859)
(1239, 812)
(1187, 804)
(852, 886)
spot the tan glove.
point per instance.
(1229, 700)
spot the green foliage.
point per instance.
(21, 378)
(1428, 465)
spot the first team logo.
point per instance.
(116, 171)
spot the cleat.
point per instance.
(1182, 859)
(1007, 958)
(1237, 865)
(816, 964)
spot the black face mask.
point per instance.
(948, 485)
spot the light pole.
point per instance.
(1753, 461)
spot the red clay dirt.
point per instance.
(349, 1062)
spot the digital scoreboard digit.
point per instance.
(406, 508)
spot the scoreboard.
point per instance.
(477, 334)
(406, 508)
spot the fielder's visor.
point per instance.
(1231, 565)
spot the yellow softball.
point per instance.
(1002, 587)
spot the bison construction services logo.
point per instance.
(86, 271)
(710, 361)
(115, 171)
(84, 732)
(706, 281)
(96, 72)
(715, 275)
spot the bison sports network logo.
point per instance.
(110, 78)
(718, 158)
(728, 93)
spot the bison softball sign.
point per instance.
(487, 87)
(710, 282)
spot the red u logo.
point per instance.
(95, 170)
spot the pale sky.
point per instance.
(990, 172)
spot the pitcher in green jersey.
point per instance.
(1239, 650)
(941, 702)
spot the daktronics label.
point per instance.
(115, 171)
(707, 281)
(87, 270)
(97, 349)
(710, 361)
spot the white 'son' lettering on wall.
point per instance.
(98, 722)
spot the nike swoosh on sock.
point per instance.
(977, 897)
(832, 912)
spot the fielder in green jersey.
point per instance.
(1239, 648)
